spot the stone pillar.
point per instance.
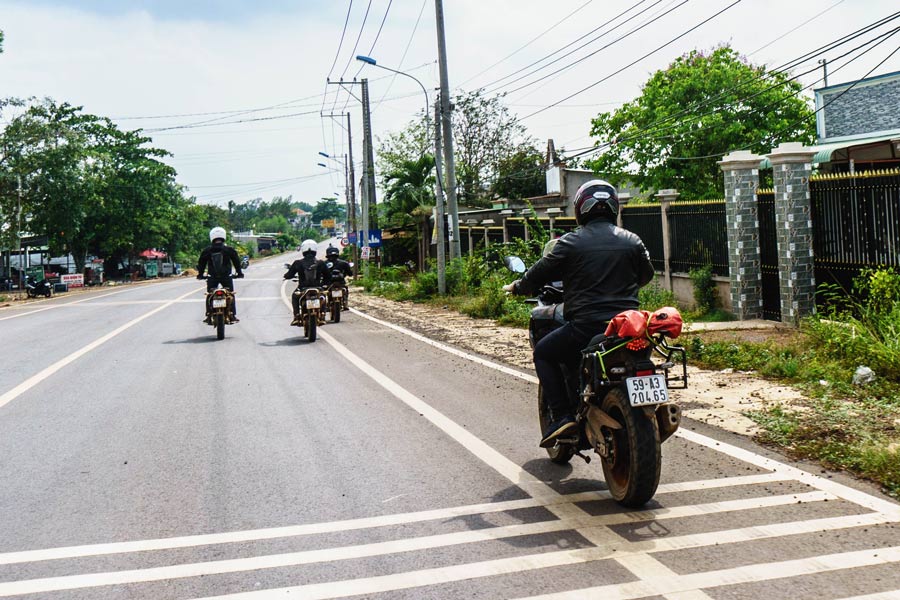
(741, 171)
(526, 213)
(486, 223)
(791, 168)
(505, 214)
(666, 197)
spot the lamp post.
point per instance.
(438, 192)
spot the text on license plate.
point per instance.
(312, 303)
(336, 293)
(219, 303)
(650, 389)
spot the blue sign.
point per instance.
(374, 238)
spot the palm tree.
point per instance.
(409, 199)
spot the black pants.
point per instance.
(557, 351)
(227, 283)
(295, 300)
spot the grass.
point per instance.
(841, 425)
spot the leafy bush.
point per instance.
(654, 296)
(705, 295)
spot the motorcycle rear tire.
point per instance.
(312, 322)
(220, 327)
(633, 474)
(336, 312)
(559, 454)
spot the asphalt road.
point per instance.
(141, 458)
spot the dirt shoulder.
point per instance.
(718, 398)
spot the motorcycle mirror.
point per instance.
(515, 264)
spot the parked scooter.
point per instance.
(619, 396)
(33, 288)
(219, 309)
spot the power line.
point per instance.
(341, 43)
(377, 35)
(205, 124)
(786, 33)
(530, 42)
(402, 58)
(356, 45)
(634, 62)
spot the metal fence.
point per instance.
(856, 224)
(646, 222)
(768, 254)
(698, 236)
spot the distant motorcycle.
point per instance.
(336, 295)
(219, 309)
(245, 262)
(33, 288)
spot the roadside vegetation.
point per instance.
(851, 418)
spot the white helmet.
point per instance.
(216, 233)
(309, 246)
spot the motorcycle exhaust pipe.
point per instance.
(668, 418)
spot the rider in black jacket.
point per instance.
(334, 262)
(310, 272)
(602, 267)
(218, 259)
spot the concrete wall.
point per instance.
(684, 289)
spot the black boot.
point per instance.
(559, 427)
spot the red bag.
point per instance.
(667, 320)
(631, 323)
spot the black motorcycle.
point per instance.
(33, 288)
(620, 399)
(336, 295)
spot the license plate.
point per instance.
(312, 303)
(336, 293)
(219, 303)
(649, 389)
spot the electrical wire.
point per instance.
(341, 43)
(403, 57)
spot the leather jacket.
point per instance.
(219, 259)
(602, 267)
(337, 265)
(309, 270)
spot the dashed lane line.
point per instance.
(47, 372)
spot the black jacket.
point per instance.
(602, 267)
(311, 272)
(337, 265)
(219, 258)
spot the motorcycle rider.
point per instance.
(218, 258)
(334, 262)
(310, 271)
(602, 267)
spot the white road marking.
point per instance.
(450, 349)
(47, 372)
(272, 561)
(357, 524)
(63, 304)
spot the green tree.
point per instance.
(409, 199)
(521, 175)
(327, 208)
(689, 115)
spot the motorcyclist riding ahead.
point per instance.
(310, 271)
(335, 263)
(602, 267)
(218, 259)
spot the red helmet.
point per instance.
(596, 198)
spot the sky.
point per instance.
(235, 88)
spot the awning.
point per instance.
(152, 253)
(824, 152)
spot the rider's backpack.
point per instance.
(218, 264)
(310, 275)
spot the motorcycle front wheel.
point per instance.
(220, 327)
(560, 454)
(312, 321)
(633, 463)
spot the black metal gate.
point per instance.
(768, 255)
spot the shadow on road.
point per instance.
(292, 341)
(197, 340)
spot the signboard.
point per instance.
(328, 223)
(374, 238)
(34, 241)
(364, 254)
(151, 269)
(36, 273)
(72, 280)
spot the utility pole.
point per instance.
(23, 259)
(447, 123)
(351, 189)
(824, 64)
(439, 205)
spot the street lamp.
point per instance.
(438, 192)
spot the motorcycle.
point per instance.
(336, 295)
(33, 288)
(245, 262)
(312, 310)
(620, 399)
(219, 309)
